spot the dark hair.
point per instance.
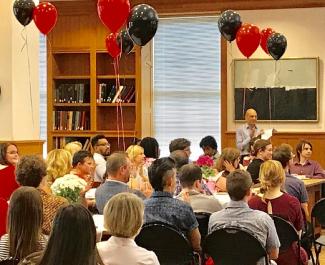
(300, 146)
(79, 157)
(260, 145)
(179, 144)
(30, 170)
(188, 174)
(283, 154)
(25, 216)
(114, 162)
(3, 153)
(73, 238)
(150, 147)
(238, 184)
(209, 141)
(180, 158)
(159, 170)
(96, 138)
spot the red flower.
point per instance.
(205, 161)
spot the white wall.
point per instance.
(304, 30)
(15, 107)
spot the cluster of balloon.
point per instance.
(141, 21)
(248, 36)
(44, 15)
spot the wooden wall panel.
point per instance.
(316, 139)
(28, 147)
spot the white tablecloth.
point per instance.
(222, 197)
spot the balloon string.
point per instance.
(117, 113)
(29, 75)
(24, 38)
(120, 106)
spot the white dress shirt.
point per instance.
(122, 251)
(100, 167)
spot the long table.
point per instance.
(314, 190)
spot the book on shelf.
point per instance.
(71, 93)
(111, 94)
(70, 120)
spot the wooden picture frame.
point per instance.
(283, 91)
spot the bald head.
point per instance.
(251, 116)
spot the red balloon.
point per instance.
(112, 45)
(45, 16)
(248, 38)
(265, 34)
(113, 13)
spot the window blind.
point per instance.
(186, 81)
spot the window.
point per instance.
(186, 81)
(43, 93)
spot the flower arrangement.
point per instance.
(69, 187)
(206, 163)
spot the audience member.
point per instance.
(292, 185)
(237, 213)
(73, 147)
(101, 149)
(118, 171)
(276, 202)
(162, 207)
(180, 144)
(24, 225)
(139, 174)
(247, 133)
(123, 218)
(304, 165)
(180, 158)
(73, 238)
(58, 163)
(210, 147)
(262, 152)
(82, 165)
(191, 180)
(8, 159)
(151, 150)
(227, 163)
(31, 171)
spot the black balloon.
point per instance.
(142, 24)
(23, 11)
(276, 45)
(127, 43)
(229, 23)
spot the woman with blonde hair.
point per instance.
(24, 225)
(123, 218)
(73, 147)
(139, 175)
(226, 163)
(275, 201)
(58, 163)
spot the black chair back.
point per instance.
(233, 246)
(168, 243)
(286, 232)
(9, 261)
(203, 220)
(318, 212)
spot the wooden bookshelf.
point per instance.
(81, 81)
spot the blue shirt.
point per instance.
(162, 207)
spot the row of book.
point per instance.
(109, 94)
(71, 120)
(72, 93)
(60, 142)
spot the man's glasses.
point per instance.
(104, 145)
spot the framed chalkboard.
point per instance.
(284, 90)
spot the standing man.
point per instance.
(246, 134)
(101, 149)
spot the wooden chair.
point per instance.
(233, 246)
(168, 243)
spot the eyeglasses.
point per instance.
(104, 145)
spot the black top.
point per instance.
(254, 169)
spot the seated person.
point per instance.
(162, 207)
(118, 169)
(102, 149)
(31, 171)
(210, 147)
(73, 147)
(58, 163)
(180, 144)
(227, 163)
(275, 201)
(292, 185)
(303, 165)
(120, 248)
(151, 150)
(191, 180)
(237, 213)
(180, 158)
(82, 165)
(262, 152)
